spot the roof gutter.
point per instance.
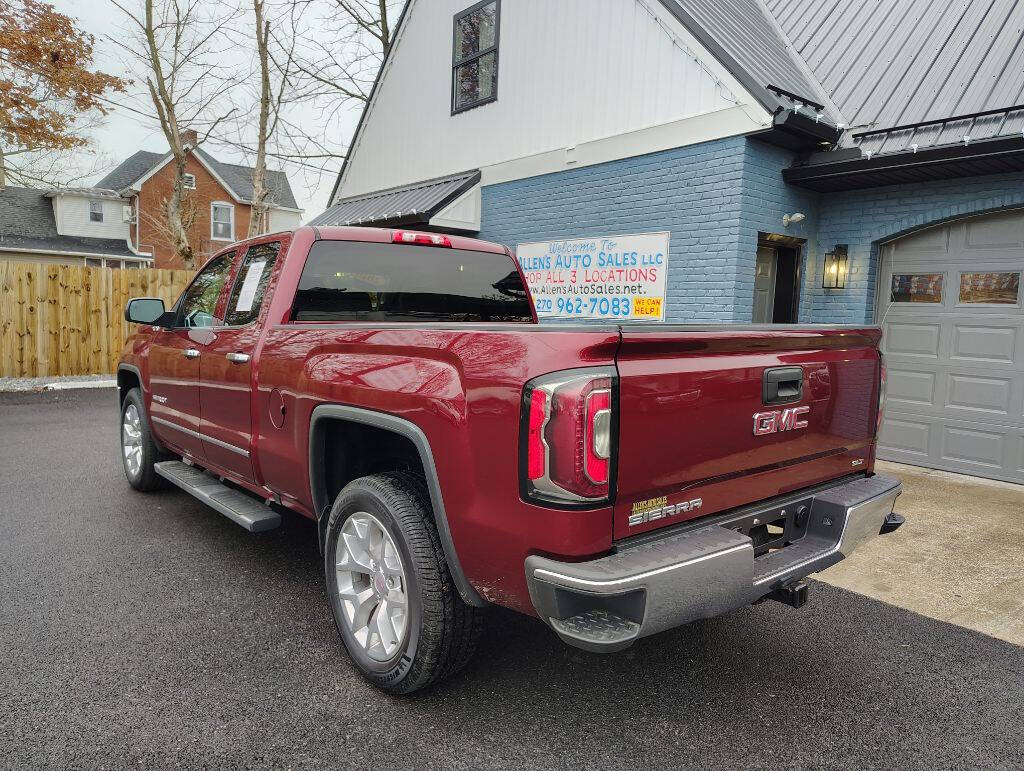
(139, 257)
(990, 156)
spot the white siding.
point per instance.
(569, 72)
(284, 220)
(71, 213)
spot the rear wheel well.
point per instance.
(346, 450)
(126, 381)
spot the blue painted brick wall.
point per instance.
(766, 198)
(862, 218)
(695, 192)
(714, 198)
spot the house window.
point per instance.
(475, 56)
(222, 222)
(95, 211)
(188, 181)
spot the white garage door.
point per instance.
(950, 304)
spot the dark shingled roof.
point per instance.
(238, 178)
(26, 222)
(406, 205)
(128, 171)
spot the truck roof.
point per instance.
(373, 235)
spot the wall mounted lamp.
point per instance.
(837, 266)
(792, 219)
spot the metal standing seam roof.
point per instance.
(899, 62)
(408, 204)
(745, 36)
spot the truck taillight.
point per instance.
(883, 376)
(568, 438)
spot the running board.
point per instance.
(240, 508)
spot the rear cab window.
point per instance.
(361, 281)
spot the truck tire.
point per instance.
(397, 610)
(139, 452)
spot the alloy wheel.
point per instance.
(372, 586)
(131, 440)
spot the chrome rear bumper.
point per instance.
(642, 589)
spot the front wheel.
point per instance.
(139, 452)
(394, 603)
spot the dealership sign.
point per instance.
(606, 277)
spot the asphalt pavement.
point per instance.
(147, 630)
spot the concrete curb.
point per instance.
(73, 384)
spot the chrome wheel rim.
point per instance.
(131, 440)
(371, 586)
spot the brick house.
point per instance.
(220, 194)
(771, 161)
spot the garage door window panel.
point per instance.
(989, 288)
(917, 288)
(475, 56)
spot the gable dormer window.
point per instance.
(188, 181)
(95, 211)
(475, 56)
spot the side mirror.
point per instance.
(144, 310)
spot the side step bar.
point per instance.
(236, 506)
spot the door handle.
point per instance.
(237, 358)
(191, 353)
(782, 385)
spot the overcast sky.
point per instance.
(124, 133)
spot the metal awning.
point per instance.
(400, 206)
(850, 170)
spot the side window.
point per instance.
(251, 283)
(359, 281)
(222, 222)
(475, 56)
(199, 302)
(96, 211)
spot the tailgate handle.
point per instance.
(782, 385)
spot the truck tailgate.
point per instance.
(688, 400)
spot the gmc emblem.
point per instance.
(779, 420)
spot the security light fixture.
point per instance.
(836, 268)
(792, 219)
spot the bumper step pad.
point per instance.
(597, 630)
(240, 508)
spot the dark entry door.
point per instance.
(775, 284)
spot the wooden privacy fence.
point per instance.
(69, 319)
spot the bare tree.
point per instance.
(341, 61)
(275, 68)
(181, 49)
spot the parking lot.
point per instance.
(147, 629)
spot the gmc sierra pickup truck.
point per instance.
(396, 388)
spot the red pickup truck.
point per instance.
(395, 387)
